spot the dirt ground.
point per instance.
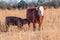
(50, 25)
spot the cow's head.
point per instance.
(41, 10)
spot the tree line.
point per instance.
(14, 5)
(22, 4)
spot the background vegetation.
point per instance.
(23, 4)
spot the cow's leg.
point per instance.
(41, 20)
(39, 26)
(34, 27)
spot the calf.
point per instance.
(11, 20)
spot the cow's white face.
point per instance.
(41, 10)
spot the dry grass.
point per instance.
(51, 26)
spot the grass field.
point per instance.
(50, 25)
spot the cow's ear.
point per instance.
(45, 8)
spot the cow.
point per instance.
(35, 15)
